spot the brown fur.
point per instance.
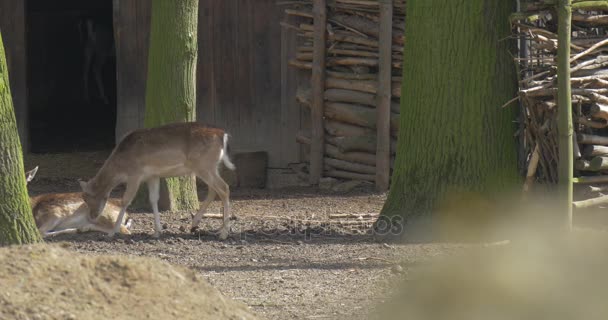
(55, 212)
(173, 150)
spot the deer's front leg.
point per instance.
(127, 197)
(121, 216)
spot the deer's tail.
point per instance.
(224, 157)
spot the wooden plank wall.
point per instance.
(131, 34)
(242, 80)
(244, 83)
(12, 26)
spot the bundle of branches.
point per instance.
(536, 26)
(351, 73)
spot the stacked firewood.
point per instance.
(351, 84)
(536, 25)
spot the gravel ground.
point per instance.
(287, 258)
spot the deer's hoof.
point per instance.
(156, 235)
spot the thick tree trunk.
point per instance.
(171, 84)
(17, 224)
(453, 135)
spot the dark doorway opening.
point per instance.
(61, 118)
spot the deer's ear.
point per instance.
(84, 185)
(29, 176)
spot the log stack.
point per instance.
(536, 27)
(351, 84)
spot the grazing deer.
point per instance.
(98, 48)
(173, 150)
(58, 213)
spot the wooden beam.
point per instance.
(590, 202)
(590, 179)
(383, 120)
(583, 138)
(598, 164)
(318, 90)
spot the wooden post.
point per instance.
(383, 120)
(565, 129)
(318, 90)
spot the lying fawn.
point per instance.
(58, 213)
(173, 150)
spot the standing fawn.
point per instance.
(173, 150)
(58, 213)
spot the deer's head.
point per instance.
(96, 201)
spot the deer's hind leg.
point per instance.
(154, 195)
(46, 227)
(216, 183)
(201, 211)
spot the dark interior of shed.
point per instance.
(61, 118)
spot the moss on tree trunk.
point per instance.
(453, 134)
(17, 224)
(171, 84)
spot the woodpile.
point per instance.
(536, 27)
(352, 87)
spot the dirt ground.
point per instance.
(295, 253)
(54, 283)
(287, 257)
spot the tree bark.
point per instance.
(564, 111)
(171, 84)
(452, 133)
(17, 224)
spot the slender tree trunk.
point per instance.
(17, 224)
(565, 129)
(453, 134)
(171, 84)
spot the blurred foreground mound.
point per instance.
(537, 275)
(48, 282)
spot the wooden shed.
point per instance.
(244, 82)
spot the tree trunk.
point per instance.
(171, 84)
(457, 73)
(17, 224)
(564, 111)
